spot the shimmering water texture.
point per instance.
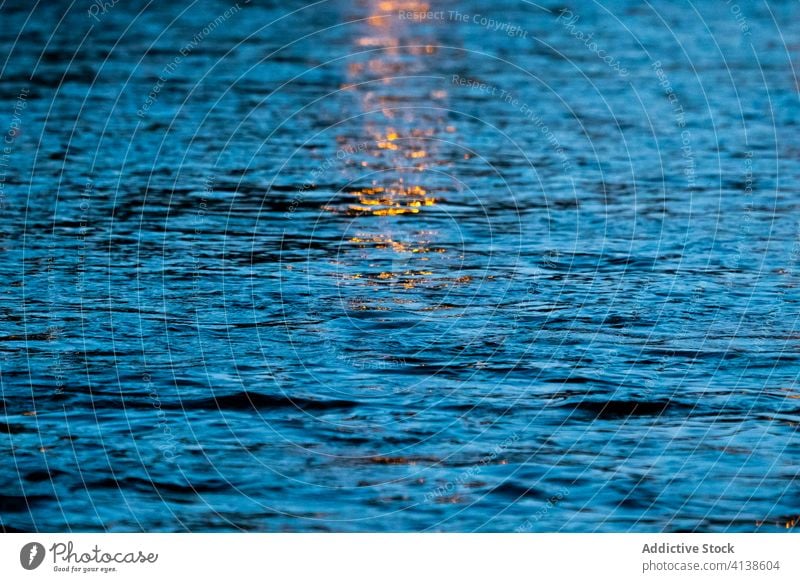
(400, 266)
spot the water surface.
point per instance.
(339, 268)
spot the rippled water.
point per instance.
(349, 268)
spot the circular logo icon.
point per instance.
(31, 555)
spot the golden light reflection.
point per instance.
(406, 5)
(377, 41)
(391, 246)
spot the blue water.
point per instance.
(341, 268)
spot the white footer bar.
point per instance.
(399, 557)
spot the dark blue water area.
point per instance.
(400, 266)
